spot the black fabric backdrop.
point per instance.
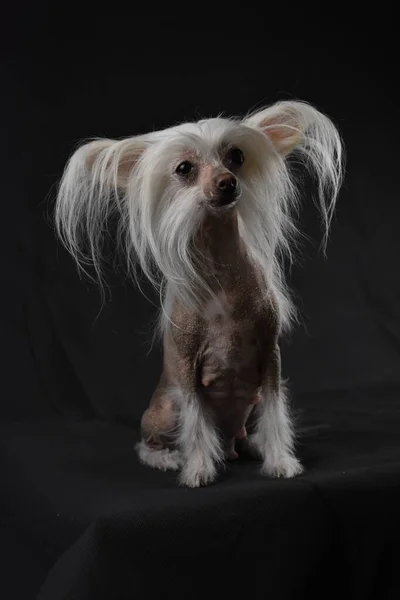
(80, 518)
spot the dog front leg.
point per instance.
(273, 439)
(199, 443)
(196, 437)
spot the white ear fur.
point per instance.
(92, 188)
(285, 123)
(110, 161)
(294, 125)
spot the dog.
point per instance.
(206, 211)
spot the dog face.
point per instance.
(203, 166)
(197, 167)
(215, 175)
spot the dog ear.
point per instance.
(284, 123)
(111, 160)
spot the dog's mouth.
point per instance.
(225, 201)
(219, 209)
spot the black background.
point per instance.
(75, 379)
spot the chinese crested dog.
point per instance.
(206, 210)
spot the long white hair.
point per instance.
(158, 217)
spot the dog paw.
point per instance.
(286, 466)
(164, 459)
(197, 475)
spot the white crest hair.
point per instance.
(158, 219)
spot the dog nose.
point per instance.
(226, 188)
(227, 183)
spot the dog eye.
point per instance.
(235, 156)
(184, 168)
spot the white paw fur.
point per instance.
(275, 464)
(285, 466)
(164, 460)
(198, 471)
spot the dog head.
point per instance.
(163, 185)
